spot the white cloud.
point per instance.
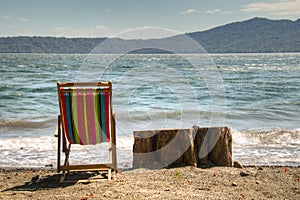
(281, 7)
(7, 17)
(23, 20)
(188, 11)
(213, 11)
(102, 28)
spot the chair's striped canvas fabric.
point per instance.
(86, 116)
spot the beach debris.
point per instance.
(188, 182)
(285, 169)
(297, 179)
(257, 182)
(244, 173)
(107, 194)
(204, 188)
(86, 196)
(234, 184)
(237, 164)
(49, 165)
(119, 181)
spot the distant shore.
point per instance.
(176, 183)
(256, 35)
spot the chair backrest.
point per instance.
(86, 111)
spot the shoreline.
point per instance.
(174, 183)
(125, 169)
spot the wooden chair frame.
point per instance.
(65, 146)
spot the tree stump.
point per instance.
(177, 147)
(214, 146)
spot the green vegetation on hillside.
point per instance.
(257, 35)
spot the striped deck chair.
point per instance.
(85, 118)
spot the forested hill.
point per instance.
(48, 45)
(256, 35)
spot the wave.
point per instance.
(32, 123)
(272, 136)
(40, 151)
(252, 147)
(271, 147)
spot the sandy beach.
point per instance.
(176, 183)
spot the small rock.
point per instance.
(234, 184)
(237, 164)
(49, 165)
(285, 169)
(260, 168)
(244, 173)
(257, 182)
(108, 193)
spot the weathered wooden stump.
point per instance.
(175, 147)
(214, 146)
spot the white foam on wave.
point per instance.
(260, 147)
(41, 151)
(27, 152)
(240, 139)
(267, 147)
(277, 136)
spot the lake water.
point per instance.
(256, 95)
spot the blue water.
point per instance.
(256, 95)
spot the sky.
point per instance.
(110, 18)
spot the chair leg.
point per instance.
(62, 177)
(109, 175)
(66, 163)
(67, 154)
(64, 142)
(59, 144)
(113, 152)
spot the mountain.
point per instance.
(47, 44)
(254, 35)
(257, 35)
